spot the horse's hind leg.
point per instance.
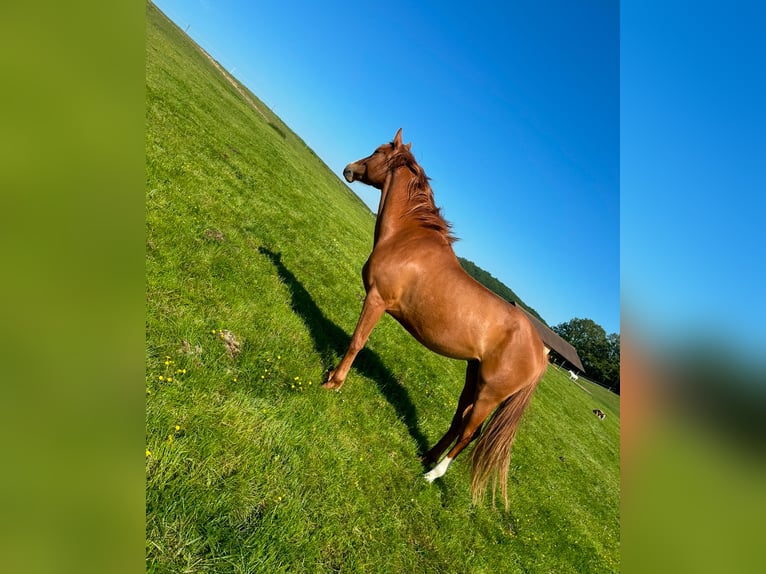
(480, 410)
(464, 404)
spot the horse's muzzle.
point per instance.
(348, 173)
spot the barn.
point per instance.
(562, 353)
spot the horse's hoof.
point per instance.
(439, 470)
(331, 383)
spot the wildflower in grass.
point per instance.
(170, 379)
(148, 453)
(178, 427)
(170, 438)
(162, 378)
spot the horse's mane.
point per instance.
(421, 197)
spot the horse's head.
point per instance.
(373, 169)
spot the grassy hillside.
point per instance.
(253, 258)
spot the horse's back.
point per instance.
(431, 295)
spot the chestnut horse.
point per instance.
(414, 275)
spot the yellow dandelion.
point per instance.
(170, 438)
(170, 379)
(162, 378)
(148, 452)
(263, 376)
(178, 427)
(234, 379)
(296, 378)
(213, 331)
(279, 356)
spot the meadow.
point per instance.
(254, 249)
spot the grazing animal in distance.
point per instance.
(599, 413)
(414, 275)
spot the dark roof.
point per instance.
(554, 341)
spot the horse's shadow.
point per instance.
(331, 342)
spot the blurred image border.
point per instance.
(73, 336)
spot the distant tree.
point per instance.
(613, 361)
(599, 353)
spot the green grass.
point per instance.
(250, 466)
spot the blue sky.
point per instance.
(512, 109)
(693, 172)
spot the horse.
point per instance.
(414, 275)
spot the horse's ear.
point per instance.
(408, 146)
(398, 138)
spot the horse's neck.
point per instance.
(393, 204)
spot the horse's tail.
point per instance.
(492, 453)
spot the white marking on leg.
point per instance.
(439, 470)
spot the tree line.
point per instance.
(599, 352)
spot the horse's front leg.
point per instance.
(372, 311)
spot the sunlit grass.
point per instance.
(253, 258)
